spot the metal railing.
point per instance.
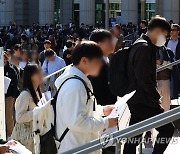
(131, 131)
(56, 73)
(168, 66)
(157, 70)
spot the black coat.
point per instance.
(42, 57)
(101, 87)
(142, 74)
(10, 72)
(175, 82)
(67, 60)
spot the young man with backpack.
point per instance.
(141, 73)
(78, 117)
(100, 83)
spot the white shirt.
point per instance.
(73, 112)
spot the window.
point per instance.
(100, 13)
(76, 13)
(114, 10)
(150, 10)
(57, 11)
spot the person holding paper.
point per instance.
(25, 103)
(141, 71)
(11, 94)
(77, 113)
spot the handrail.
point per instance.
(157, 70)
(131, 131)
(58, 71)
(168, 65)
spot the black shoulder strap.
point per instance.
(89, 94)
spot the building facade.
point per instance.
(91, 12)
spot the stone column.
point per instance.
(107, 15)
(6, 12)
(171, 10)
(129, 11)
(66, 11)
(159, 7)
(143, 9)
(87, 12)
(46, 12)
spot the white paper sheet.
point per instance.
(120, 106)
(7, 82)
(18, 147)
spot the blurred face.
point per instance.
(174, 32)
(24, 57)
(142, 25)
(107, 46)
(51, 58)
(15, 60)
(34, 55)
(92, 67)
(17, 53)
(158, 36)
(116, 31)
(37, 78)
(47, 46)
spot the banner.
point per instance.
(2, 99)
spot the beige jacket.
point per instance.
(23, 131)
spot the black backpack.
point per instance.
(118, 77)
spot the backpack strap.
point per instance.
(63, 135)
(89, 94)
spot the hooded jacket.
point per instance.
(73, 111)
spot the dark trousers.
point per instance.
(140, 112)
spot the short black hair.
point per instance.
(69, 44)
(144, 22)
(88, 49)
(17, 47)
(99, 35)
(49, 53)
(24, 37)
(47, 42)
(160, 22)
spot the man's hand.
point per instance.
(4, 149)
(108, 109)
(113, 122)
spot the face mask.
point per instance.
(161, 40)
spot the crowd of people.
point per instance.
(84, 98)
